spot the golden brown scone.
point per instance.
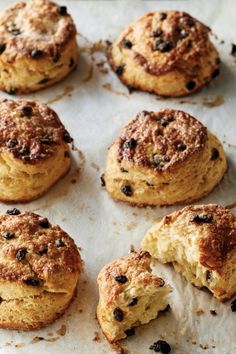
(164, 158)
(34, 150)
(37, 46)
(200, 242)
(168, 53)
(129, 295)
(39, 269)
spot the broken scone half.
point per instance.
(200, 242)
(129, 295)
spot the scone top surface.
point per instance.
(37, 255)
(30, 131)
(135, 268)
(38, 28)
(216, 232)
(160, 43)
(161, 141)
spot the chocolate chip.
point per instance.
(119, 70)
(32, 282)
(11, 143)
(130, 332)
(127, 43)
(102, 180)
(190, 85)
(162, 283)
(162, 45)
(215, 73)
(127, 190)
(66, 154)
(16, 31)
(181, 147)
(36, 54)
(123, 170)
(183, 33)
(12, 91)
(118, 314)
(161, 346)
(2, 47)
(66, 137)
(71, 62)
(233, 50)
(208, 275)
(213, 312)
(44, 81)
(214, 154)
(44, 223)
(26, 111)
(56, 58)
(13, 211)
(24, 151)
(59, 243)
(46, 140)
(157, 33)
(163, 122)
(162, 16)
(122, 279)
(189, 21)
(133, 302)
(8, 235)
(205, 218)
(233, 305)
(130, 144)
(217, 61)
(62, 10)
(21, 253)
(159, 161)
(43, 251)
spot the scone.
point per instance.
(164, 158)
(34, 150)
(200, 242)
(40, 266)
(37, 46)
(129, 295)
(168, 53)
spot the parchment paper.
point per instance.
(93, 105)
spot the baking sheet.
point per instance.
(93, 105)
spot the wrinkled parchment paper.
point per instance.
(93, 105)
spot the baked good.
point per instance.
(164, 158)
(34, 150)
(37, 46)
(39, 269)
(168, 53)
(129, 295)
(200, 242)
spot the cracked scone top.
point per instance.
(129, 295)
(163, 158)
(34, 151)
(39, 266)
(37, 45)
(168, 53)
(200, 242)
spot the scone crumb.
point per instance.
(199, 312)
(96, 337)
(62, 330)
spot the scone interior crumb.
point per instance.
(133, 302)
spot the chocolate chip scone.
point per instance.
(129, 295)
(39, 270)
(164, 158)
(37, 46)
(200, 242)
(168, 53)
(34, 150)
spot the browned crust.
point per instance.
(38, 136)
(158, 136)
(218, 240)
(26, 200)
(185, 56)
(130, 266)
(30, 235)
(35, 19)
